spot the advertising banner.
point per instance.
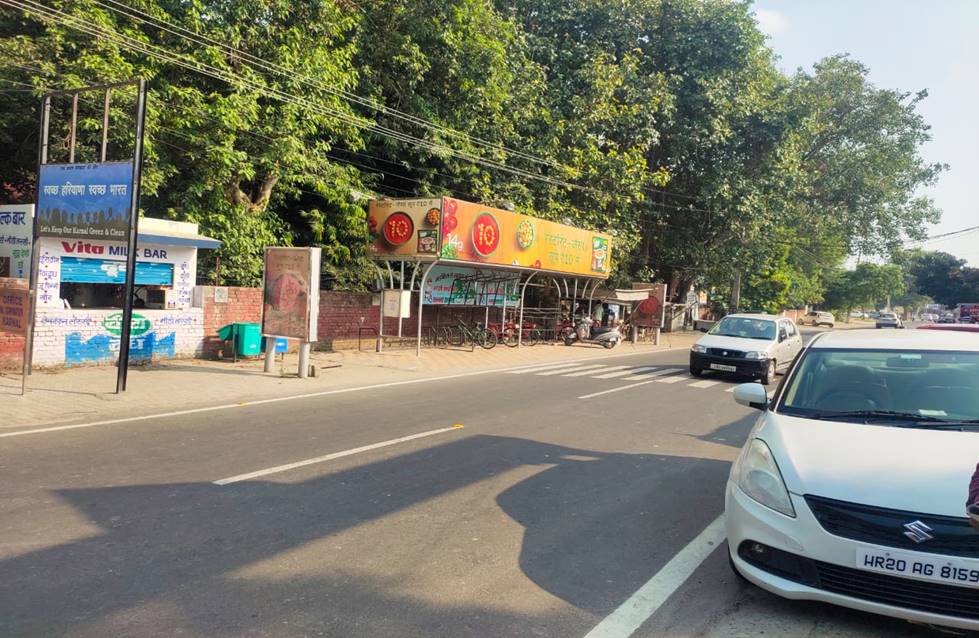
(14, 306)
(291, 293)
(454, 286)
(404, 228)
(85, 201)
(16, 226)
(651, 312)
(478, 234)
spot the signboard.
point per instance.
(16, 223)
(85, 201)
(651, 312)
(396, 303)
(478, 234)
(404, 228)
(14, 306)
(448, 286)
(291, 292)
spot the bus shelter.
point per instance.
(452, 252)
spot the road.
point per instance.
(540, 516)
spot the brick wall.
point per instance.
(244, 305)
(90, 337)
(11, 349)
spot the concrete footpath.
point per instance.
(81, 395)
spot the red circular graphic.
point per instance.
(398, 228)
(486, 235)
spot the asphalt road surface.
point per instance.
(374, 514)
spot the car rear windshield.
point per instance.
(933, 385)
(744, 327)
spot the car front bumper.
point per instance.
(804, 538)
(747, 367)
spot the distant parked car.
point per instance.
(930, 317)
(948, 317)
(889, 320)
(819, 318)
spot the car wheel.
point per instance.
(769, 375)
(696, 372)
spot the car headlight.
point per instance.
(758, 476)
(755, 355)
(698, 348)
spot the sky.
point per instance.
(908, 46)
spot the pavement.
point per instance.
(516, 499)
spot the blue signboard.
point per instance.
(85, 201)
(106, 271)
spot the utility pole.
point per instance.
(736, 292)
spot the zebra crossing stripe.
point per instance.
(704, 384)
(548, 373)
(655, 373)
(593, 371)
(550, 366)
(674, 379)
(623, 373)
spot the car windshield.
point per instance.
(744, 327)
(909, 388)
(886, 315)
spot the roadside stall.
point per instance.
(453, 253)
(80, 296)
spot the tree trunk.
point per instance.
(257, 199)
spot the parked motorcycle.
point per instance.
(586, 332)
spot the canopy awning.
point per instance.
(172, 233)
(620, 295)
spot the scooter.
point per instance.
(586, 332)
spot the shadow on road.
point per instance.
(597, 526)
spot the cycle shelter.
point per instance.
(444, 261)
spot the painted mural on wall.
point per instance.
(93, 337)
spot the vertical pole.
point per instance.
(127, 309)
(105, 125)
(73, 133)
(304, 349)
(523, 292)
(401, 319)
(421, 306)
(42, 159)
(269, 353)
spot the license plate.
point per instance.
(941, 569)
(723, 368)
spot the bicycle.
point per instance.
(476, 335)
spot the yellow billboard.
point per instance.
(478, 234)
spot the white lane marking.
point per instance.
(541, 368)
(613, 375)
(549, 373)
(631, 614)
(594, 371)
(654, 373)
(329, 457)
(308, 395)
(618, 389)
(732, 388)
(673, 379)
(706, 383)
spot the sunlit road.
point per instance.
(375, 515)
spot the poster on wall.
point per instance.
(461, 286)
(650, 312)
(475, 233)
(14, 306)
(291, 292)
(16, 227)
(404, 228)
(85, 201)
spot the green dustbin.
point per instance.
(247, 337)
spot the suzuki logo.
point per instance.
(918, 531)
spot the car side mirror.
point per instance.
(702, 329)
(782, 337)
(752, 395)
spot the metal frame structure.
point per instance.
(137, 159)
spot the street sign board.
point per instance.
(85, 201)
(291, 292)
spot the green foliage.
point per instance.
(663, 122)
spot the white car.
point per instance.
(753, 345)
(853, 486)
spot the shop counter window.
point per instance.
(99, 283)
